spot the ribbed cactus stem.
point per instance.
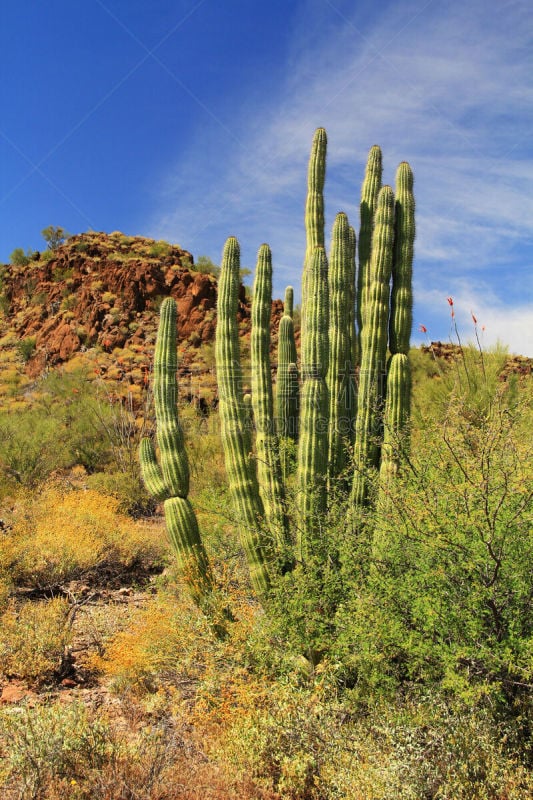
(395, 435)
(287, 388)
(288, 303)
(352, 322)
(401, 316)
(170, 481)
(314, 211)
(174, 462)
(248, 416)
(240, 468)
(341, 292)
(396, 417)
(313, 442)
(374, 350)
(193, 563)
(266, 440)
(367, 207)
(152, 473)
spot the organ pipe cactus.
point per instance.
(347, 324)
(374, 349)
(313, 441)
(401, 315)
(287, 377)
(314, 210)
(240, 467)
(266, 440)
(341, 333)
(168, 478)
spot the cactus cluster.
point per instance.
(337, 423)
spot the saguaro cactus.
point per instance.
(169, 479)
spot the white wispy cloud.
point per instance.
(445, 86)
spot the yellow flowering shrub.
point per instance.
(63, 533)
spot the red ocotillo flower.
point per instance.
(450, 303)
(422, 329)
(473, 317)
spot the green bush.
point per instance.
(19, 258)
(448, 595)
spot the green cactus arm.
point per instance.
(288, 303)
(340, 342)
(367, 209)
(151, 472)
(314, 211)
(173, 455)
(170, 482)
(240, 468)
(313, 440)
(396, 416)
(287, 387)
(401, 316)
(395, 439)
(193, 563)
(248, 417)
(266, 440)
(374, 350)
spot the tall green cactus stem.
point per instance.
(401, 316)
(374, 349)
(170, 481)
(174, 461)
(352, 321)
(287, 388)
(368, 204)
(313, 442)
(266, 440)
(240, 468)
(288, 303)
(395, 435)
(314, 212)
(248, 416)
(340, 279)
(396, 417)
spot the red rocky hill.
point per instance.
(100, 293)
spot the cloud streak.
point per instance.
(444, 86)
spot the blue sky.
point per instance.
(191, 120)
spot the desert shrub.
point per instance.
(19, 258)
(448, 596)
(30, 448)
(26, 348)
(127, 488)
(50, 744)
(206, 266)
(166, 639)
(62, 534)
(33, 638)
(160, 248)
(62, 273)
